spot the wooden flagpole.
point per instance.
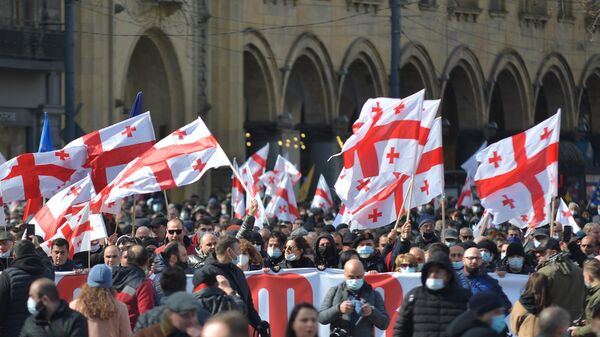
(133, 217)
(551, 216)
(442, 204)
(408, 194)
(166, 200)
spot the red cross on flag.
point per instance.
(41, 174)
(272, 179)
(564, 216)
(429, 177)
(110, 149)
(517, 175)
(177, 160)
(283, 205)
(237, 195)
(48, 219)
(465, 199)
(322, 198)
(252, 192)
(257, 163)
(78, 231)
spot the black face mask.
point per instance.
(473, 270)
(428, 236)
(323, 251)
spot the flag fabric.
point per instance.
(46, 143)
(252, 192)
(136, 106)
(429, 176)
(283, 205)
(237, 195)
(269, 181)
(322, 198)
(465, 199)
(595, 195)
(483, 223)
(36, 175)
(179, 159)
(519, 174)
(110, 149)
(470, 165)
(343, 216)
(52, 215)
(257, 163)
(272, 179)
(565, 217)
(78, 231)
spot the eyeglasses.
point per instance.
(175, 231)
(405, 265)
(291, 248)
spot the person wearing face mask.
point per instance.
(478, 280)
(15, 280)
(96, 255)
(429, 309)
(591, 276)
(485, 317)
(6, 246)
(525, 314)
(406, 263)
(489, 253)
(174, 254)
(514, 261)
(275, 247)
(325, 254)
(450, 237)
(50, 314)
(250, 259)
(364, 244)
(354, 305)
(294, 254)
(426, 233)
(227, 256)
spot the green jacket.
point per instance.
(567, 289)
(593, 297)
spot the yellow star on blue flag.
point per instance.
(596, 195)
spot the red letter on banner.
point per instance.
(68, 284)
(393, 295)
(277, 287)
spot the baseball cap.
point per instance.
(181, 302)
(100, 276)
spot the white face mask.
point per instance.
(434, 283)
(291, 257)
(31, 306)
(244, 259)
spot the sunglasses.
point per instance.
(175, 231)
(467, 237)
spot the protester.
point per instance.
(364, 244)
(466, 234)
(7, 242)
(347, 255)
(429, 309)
(250, 259)
(489, 254)
(325, 252)
(106, 317)
(175, 233)
(26, 267)
(60, 256)
(142, 232)
(51, 315)
(554, 322)
(484, 317)
(295, 254)
(131, 284)
(525, 313)
(206, 247)
(406, 263)
(216, 295)
(591, 277)
(275, 248)
(179, 318)
(567, 288)
(174, 254)
(354, 306)
(303, 321)
(229, 324)
(514, 262)
(478, 280)
(419, 254)
(112, 256)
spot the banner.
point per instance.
(275, 295)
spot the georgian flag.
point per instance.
(237, 195)
(322, 198)
(252, 192)
(257, 164)
(343, 216)
(429, 177)
(564, 216)
(283, 205)
(283, 168)
(465, 199)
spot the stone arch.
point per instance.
(555, 88)
(589, 104)
(417, 72)
(510, 97)
(153, 67)
(261, 93)
(362, 77)
(308, 85)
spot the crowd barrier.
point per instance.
(274, 295)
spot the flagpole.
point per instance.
(166, 199)
(403, 202)
(442, 204)
(133, 217)
(551, 216)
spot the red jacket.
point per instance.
(135, 290)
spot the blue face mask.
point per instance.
(407, 270)
(354, 284)
(365, 251)
(458, 265)
(486, 256)
(515, 262)
(274, 253)
(498, 323)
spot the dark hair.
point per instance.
(538, 286)
(204, 220)
(347, 255)
(224, 243)
(172, 248)
(289, 331)
(49, 289)
(235, 322)
(173, 279)
(300, 243)
(279, 236)
(137, 255)
(60, 242)
(438, 247)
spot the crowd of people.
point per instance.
(136, 279)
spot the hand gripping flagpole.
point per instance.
(407, 195)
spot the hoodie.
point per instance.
(469, 325)
(330, 258)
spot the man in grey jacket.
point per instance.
(354, 305)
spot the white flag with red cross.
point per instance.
(322, 198)
(465, 199)
(52, 215)
(382, 207)
(257, 164)
(110, 149)
(565, 217)
(41, 174)
(78, 231)
(252, 192)
(429, 177)
(343, 216)
(283, 205)
(177, 160)
(237, 195)
(518, 175)
(283, 168)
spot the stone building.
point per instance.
(295, 73)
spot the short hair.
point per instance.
(589, 226)
(204, 220)
(137, 255)
(592, 266)
(172, 248)
(224, 243)
(347, 255)
(48, 289)
(552, 319)
(301, 243)
(438, 247)
(279, 236)
(60, 242)
(235, 322)
(173, 279)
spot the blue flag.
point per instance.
(596, 195)
(46, 143)
(136, 107)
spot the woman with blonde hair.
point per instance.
(250, 258)
(406, 263)
(106, 316)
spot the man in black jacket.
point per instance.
(325, 254)
(227, 253)
(485, 317)
(52, 316)
(428, 310)
(26, 267)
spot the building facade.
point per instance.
(295, 73)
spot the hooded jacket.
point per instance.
(427, 312)
(64, 322)
(469, 325)
(591, 301)
(524, 317)
(133, 289)
(330, 258)
(14, 291)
